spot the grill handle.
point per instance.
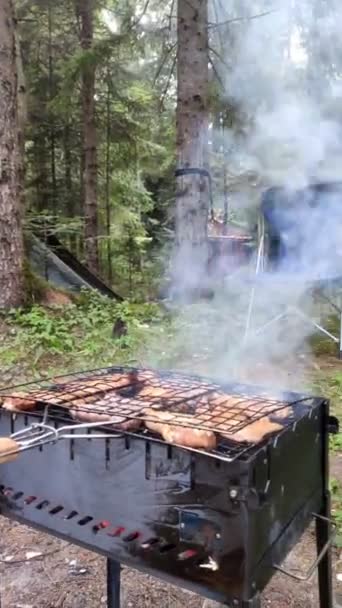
(9, 450)
(306, 577)
(41, 434)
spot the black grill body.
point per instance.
(175, 513)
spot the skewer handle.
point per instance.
(9, 450)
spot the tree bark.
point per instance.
(192, 203)
(11, 238)
(85, 13)
(108, 176)
(51, 117)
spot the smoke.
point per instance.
(285, 78)
(280, 66)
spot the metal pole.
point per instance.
(113, 583)
(252, 298)
(323, 527)
(313, 323)
(323, 533)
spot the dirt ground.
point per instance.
(57, 581)
(68, 577)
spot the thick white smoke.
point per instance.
(280, 66)
(284, 75)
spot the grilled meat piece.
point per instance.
(163, 423)
(256, 431)
(89, 412)
(19, 402)
(224, 413)
(65, 395)
(194, 414)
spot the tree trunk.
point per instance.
(108, 176)
(69, 194)
(192, 144)
(85, 14)
(11, 240)
(22, 114)
(69, 197)
(51, 117)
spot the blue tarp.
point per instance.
(305, 228)
(54, 263)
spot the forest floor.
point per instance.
(61, 575)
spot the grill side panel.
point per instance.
(296, 490)
(144, 504)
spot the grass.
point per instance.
(330, 385)
(336, 493)
(46, 341)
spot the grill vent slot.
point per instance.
(101, 526)
(42, 505)
(56, 510)
(185, 555)
(116, 532)
(167, 548)
(131, 537)
(85, 520)
(30, 499)
(151, 542)
(71, 515)
(8, 491)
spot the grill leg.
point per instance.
(113, 584)
(323, 531)
(256, 602)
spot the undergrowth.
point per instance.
(42, 340)
(336, 493)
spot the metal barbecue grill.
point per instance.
(218, 522)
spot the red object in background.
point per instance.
(227, 253)
(229, 248)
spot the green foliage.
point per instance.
(42, 331)
(34, 286)
(336, 443)
(336, 492)
(78, 335)
(330, 385)
(135, 140)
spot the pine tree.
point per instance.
(11, 240)
(85, 10)
(192, 142)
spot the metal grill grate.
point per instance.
(128, 393)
